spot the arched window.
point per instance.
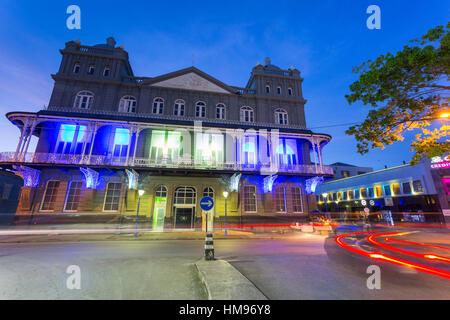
(84, 100)
(290, 91)
(106, 71)
(267, 88)
(208, 192)
(127, 104)
(91, 69)
(185, 195)
(281, 116)
(76, 67)
(247, 114)
(279, 90)
(200, 109)
(158, 105)
(161, 192)
(220, 111)
(178, 109)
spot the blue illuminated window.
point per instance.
(387, 190)
(121, 139)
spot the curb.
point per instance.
(222, 281)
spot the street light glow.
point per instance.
(225, 194)
(444, 115)
(141, 192)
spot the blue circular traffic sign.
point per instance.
(206, 203)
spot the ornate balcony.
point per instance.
(179, 163)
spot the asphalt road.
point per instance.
(296, 267)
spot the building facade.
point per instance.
(403, 193)
(178, 137)
(344, 170)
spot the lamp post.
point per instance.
(140, 192)
(325, 199)
(225, 194)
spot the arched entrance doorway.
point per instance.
(185, 199)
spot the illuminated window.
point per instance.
(334, 196)
(112, 196)
(281, 116)
(417, 186)
(290, 91)
(121, 140)
(208, 192)
(247, 114)
(339, 196)
(209, 148)
(165, 146)
(220, 111)
(370, 192)
(83, 100)
(158, 105)
(66, 139)
(200, 109)
(378, 192)
(127, 104)
(76, 67)
(357, 194)
(350, 194)
(396, 189)
(185, 195)
(297, 200)
(249, 150)
(106, 71)
(73, 196)
(363, 193)
(387, 190)
(178, 109)
(287, 155)
(49, 199)
(345, 173)
(280, 199)
(249, 198)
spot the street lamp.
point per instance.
(225, 194)
(325, 199)
(444, 115)
(140, 192)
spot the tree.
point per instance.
(406, 91)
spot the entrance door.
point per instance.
(160, 208)
(184, 207)
(184, 217)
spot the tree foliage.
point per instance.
(406, 91)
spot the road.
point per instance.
(295, 267)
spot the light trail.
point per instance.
(388, 258)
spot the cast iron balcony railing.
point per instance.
(177, 163)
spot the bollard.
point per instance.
(209, 246)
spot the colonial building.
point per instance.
(107, 133)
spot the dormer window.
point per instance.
(290, 91)
(106, 71)
(76, 67)
(267, 88)
(279, 90)
(91, 69)
(127, 104)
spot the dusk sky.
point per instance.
(323, 39)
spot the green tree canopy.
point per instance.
(406, 91)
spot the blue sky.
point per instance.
(323, 39)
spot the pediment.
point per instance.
(190, 81)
